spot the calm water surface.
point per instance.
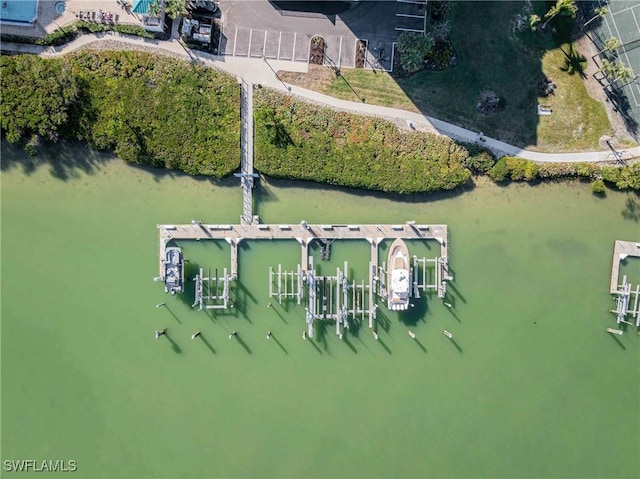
(532, 386)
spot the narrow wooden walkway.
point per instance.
(246, 141)
(621, 250)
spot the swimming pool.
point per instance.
(18, 11)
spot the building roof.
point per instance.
(141, 6)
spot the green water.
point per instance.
(532, 386)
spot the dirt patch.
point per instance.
(318, 78)
(596, 91)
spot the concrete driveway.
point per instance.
(258, 28)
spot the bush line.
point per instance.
(302, 141)
(149, 109)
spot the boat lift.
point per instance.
(422, 281)
(622, 303)
(337, 298)
(288, 284)
(212, 292)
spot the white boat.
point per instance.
(173, 271)
(398, 279)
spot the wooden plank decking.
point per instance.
(234, 234)
(621, 250)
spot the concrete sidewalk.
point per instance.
(263, 72)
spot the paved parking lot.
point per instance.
(258, 29)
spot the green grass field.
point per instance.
(490, 56)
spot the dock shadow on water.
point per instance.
(313, 343)
(321, 333)
(273, 309)
(457, 346)
(207, 344)
(349, 343)
(174, 345)
(242, 343)
(451, 285)
(384, 345)
(420, 345)
(279, 344)
(615, 338)
(171, 313)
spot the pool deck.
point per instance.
(621, 250)
(304, 234)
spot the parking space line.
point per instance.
(415, 2)
(408, 15)
(235, 42)
(249, 49)
(279, 43)
(264, 45)
(409, 30)
(293, 54)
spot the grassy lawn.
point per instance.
(489, 57)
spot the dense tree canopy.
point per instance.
(36, 96)
(149, 109)
(294, 139)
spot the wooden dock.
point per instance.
(247, 174)
(303, 233)
(621, 250)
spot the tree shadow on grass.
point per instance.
(574, 62)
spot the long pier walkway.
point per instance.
(623, 290)
(621, 251)
(303, 233)
(246, 141)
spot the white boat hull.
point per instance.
(398, 277)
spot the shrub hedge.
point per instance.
(159, 111)
(626, 177)
(299, 140)
(64, 35)
(149, 109)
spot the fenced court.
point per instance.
(623, 22)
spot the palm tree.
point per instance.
(565, 8)
(615, 71)
(175, 8)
